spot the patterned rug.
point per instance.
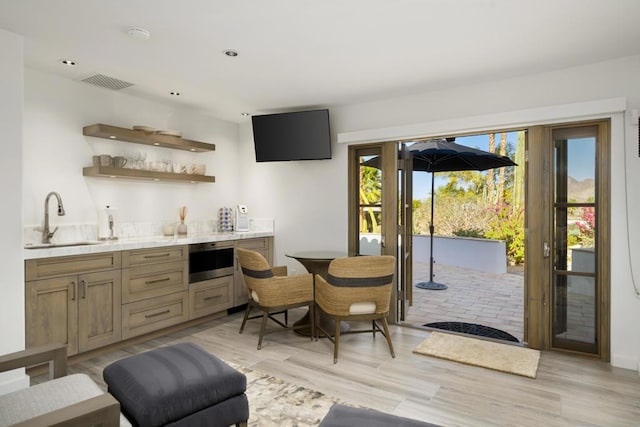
(275, 402)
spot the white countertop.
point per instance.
(140, 243)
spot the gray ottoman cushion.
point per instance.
(346, 416)
(170, 383)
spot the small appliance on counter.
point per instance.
(225, 220)
(242, 218)
(106, 223)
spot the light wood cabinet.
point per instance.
(81, 310)
(155, 289)
(264, 245)
(210, 296)
(93, 300)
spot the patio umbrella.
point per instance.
(441, 155)
(444, 155)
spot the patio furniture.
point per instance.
(317, 262)
(73, 400)
(356, 288)
(179, 385)
(346, 416)
(273, 293)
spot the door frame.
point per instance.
(389, 216)
(538, 230)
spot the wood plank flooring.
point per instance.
(569, 390)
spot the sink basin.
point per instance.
(58, 245)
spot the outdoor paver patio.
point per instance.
(495, 300)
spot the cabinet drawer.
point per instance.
(152, 314)
(43, 268)
(210, 296)
(154, 255)
(260, 244)
(154, 280)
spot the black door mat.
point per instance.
(473, 329)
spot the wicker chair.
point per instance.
(272, 291)
(356, 288)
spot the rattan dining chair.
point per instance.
(271, 291)
(356, 288)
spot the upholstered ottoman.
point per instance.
(178, 385)
(346, 416)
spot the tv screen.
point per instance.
(301, 135)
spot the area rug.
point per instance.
(486, 354)
(473, 329)
(274, 402)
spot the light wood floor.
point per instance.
(569, 390)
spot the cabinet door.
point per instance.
(52, 312)
(99, 309)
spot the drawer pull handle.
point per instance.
(73, 290)
(213, 297)
(150, 282)
(157, 256)
(157, 314)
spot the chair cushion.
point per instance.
(346, 416)
(362, 307)
(164, 385)
(24, 404)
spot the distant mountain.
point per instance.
(581, 191)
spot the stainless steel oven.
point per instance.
(210, 260)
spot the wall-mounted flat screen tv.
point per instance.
(300, 135)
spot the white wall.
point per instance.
(308, 200)
(12, 283)
(55, 151)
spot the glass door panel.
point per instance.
(369, 220)
(574, 271)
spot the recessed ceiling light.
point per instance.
(231, 52)
(174, 93)
(69, 62)
(245, 114)
(138, 33)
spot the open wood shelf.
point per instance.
(106, 172)
(147, 138)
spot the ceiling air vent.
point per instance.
(107, 82)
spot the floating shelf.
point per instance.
(147, 138)
(105, 172)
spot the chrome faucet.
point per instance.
(46, 233)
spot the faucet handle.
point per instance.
(53, 232)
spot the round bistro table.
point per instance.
(317, 262)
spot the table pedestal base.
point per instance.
(326, 323)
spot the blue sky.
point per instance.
(581, 161)
(422, 180)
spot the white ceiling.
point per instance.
(298, 54)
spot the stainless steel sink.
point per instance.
(59, 245)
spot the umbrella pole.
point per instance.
(431, 284)
(431, 231)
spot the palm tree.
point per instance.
(370, 194)
(490, 173)
(501, 173)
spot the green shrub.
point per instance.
(469, 232)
